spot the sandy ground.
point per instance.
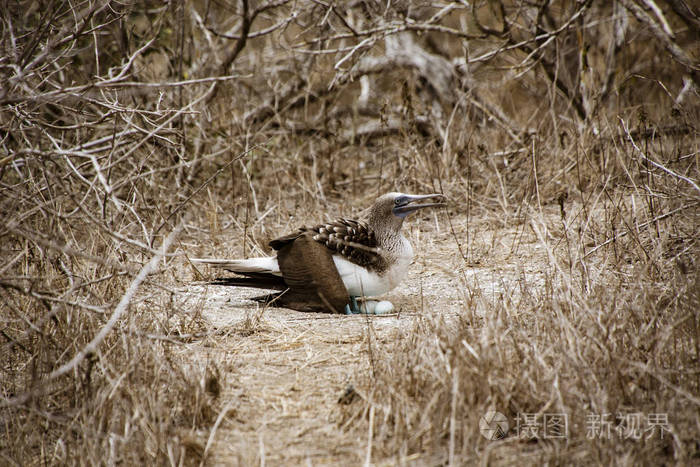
(284, 371)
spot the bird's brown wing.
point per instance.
(348, 238)
(310, 273)
(281, 242)
(251, 279)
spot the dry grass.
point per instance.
(583, 337)
(563, 279)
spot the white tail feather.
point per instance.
(265, 265)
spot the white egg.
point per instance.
(373, 307)
(383, 307)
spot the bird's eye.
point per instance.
(398, 201)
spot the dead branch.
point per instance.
(654, 163)
(664, 35)
(94, 344)
(682, 9)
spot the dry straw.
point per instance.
(562, 281)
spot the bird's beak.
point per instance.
(405, 204)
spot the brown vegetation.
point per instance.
(562, 280)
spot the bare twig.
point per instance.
(663, 34)
(212, 433)
(654, 163)
(93, 345)
(640, 226)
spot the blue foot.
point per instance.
(370, 307)
(352, 308)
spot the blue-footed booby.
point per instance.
(328, 266)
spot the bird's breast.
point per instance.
(364, 281)
(397, 270)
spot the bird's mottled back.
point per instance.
(351, 239)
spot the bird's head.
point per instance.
(391, 209)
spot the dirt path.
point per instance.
(285, 375)
(285, 371)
